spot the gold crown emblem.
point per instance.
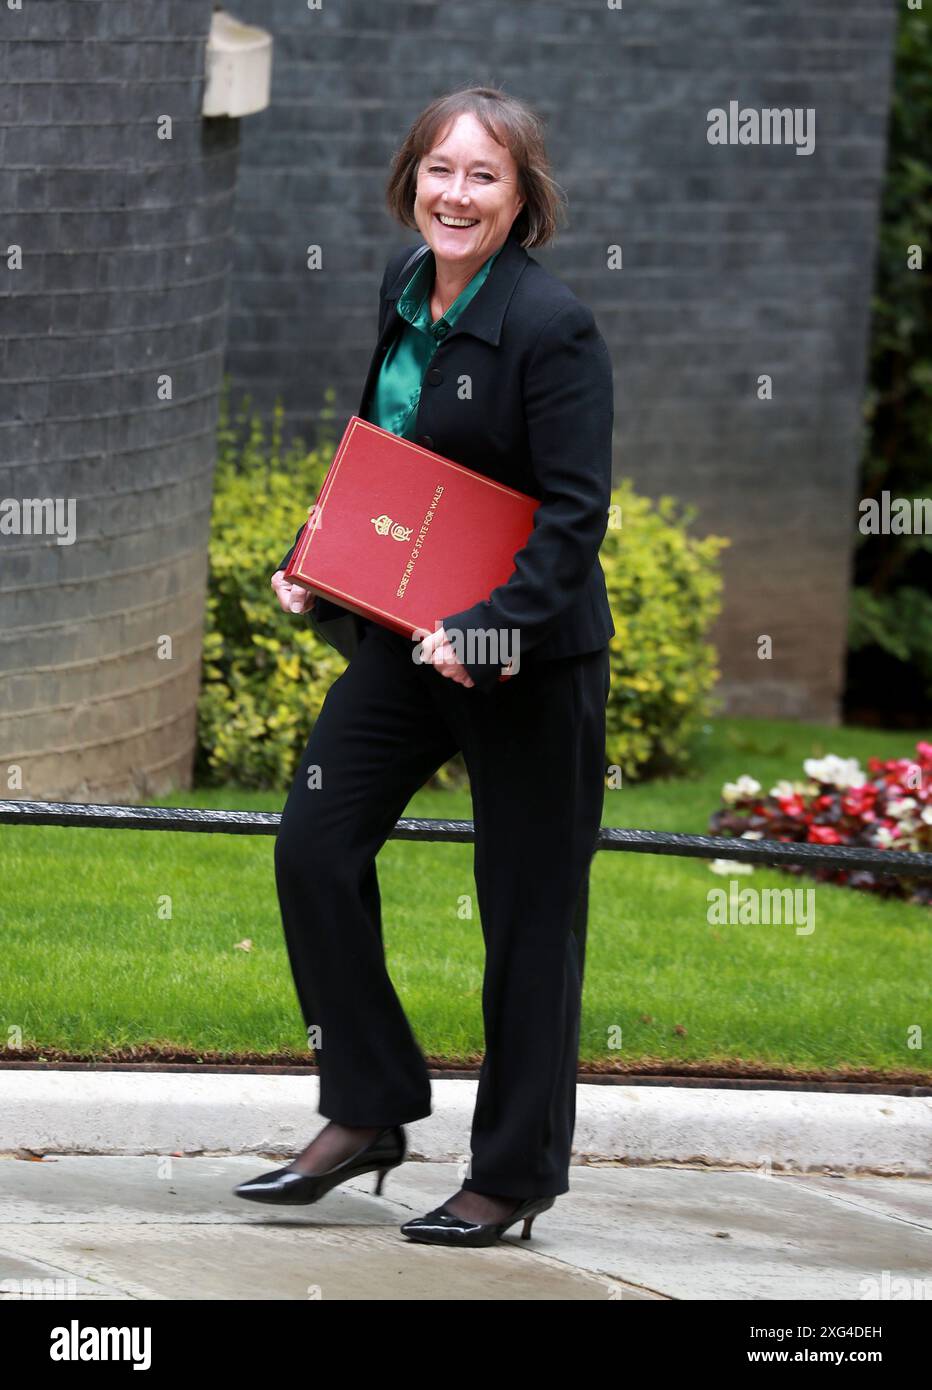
(386, 527)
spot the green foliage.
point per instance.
(266, 672)
(899, 623)
(891, 610)
(664, 588)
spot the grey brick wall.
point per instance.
(126, 260)
(738, 260)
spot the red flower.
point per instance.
(844, 816)
(824, 835)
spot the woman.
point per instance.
(489, 360)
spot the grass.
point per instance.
(117, 940)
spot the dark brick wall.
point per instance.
(126, 265)
(738, 260)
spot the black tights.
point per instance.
(335, 1143)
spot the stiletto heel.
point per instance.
(286, 1187)
(442, 1227)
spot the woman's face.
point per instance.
(470, 177)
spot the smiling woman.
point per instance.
(485, 358)
(466, 201)
(471, 166)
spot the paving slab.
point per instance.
(162, 1227)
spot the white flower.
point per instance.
(730, 866)
(751, 835)
(833, 771)
(782, 789)
(927, 814)
(883, 837)
(736, 791)
(896, 809)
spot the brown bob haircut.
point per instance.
(511, 124)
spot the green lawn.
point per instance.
(89, 965)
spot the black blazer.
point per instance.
(520, 390)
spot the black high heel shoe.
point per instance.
(443, 1227)
(285, 1187)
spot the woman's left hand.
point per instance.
(437, 650)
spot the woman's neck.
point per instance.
(447, 288)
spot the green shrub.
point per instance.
(664, 588)
(266, 673)
(890, 614)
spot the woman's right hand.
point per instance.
(294, 598)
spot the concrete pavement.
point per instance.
(119, 1186)
(153, 1227)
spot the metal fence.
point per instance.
(882, 861)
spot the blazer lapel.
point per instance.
(482, 317)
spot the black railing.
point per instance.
(881, 861)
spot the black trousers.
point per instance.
(534, 749)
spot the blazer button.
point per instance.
(426, 440)
(435, 376)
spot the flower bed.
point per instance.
(887, 807)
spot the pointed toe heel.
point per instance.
(443, 1227)
(286, 1187)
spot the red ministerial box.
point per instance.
(403, 536)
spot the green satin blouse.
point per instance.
(398, 387)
